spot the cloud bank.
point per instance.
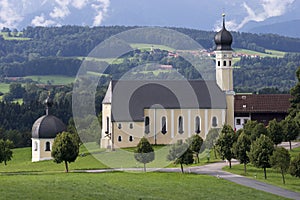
(266, 10)
(49, 12)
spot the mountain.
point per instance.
(288, 28)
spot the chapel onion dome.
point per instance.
(47, 126)
(223, 39)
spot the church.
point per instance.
(165, 111)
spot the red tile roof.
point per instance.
(261, 103)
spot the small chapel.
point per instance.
(165, 111)
(44, 130)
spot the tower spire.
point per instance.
(223, 15)
(48, 102)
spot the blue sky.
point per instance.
(204, 14)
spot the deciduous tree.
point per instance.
(291, 130)
(281, 160)
(241, 149)
(181, 154)
(65, 148)
(260, 153)
(195, 142)
(295, 167)
(275, 132)
(5, 151)
(144, 152)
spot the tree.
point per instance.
(144, 152)
(65, 148)
(260, 152)
(291, 130)
(275, 132)
(258, 130)
(195, 142)
(5, 150)
(225, 143)
(281, 160)
(295, 167)
(295, 101)
(211, 139)
(181, 154)
(241, 149)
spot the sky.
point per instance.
(204, 14)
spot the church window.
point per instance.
(107, 125)
(197, 125)
(47, 148)
(130, 138)
(131, 125)
(35, 146)
(147, 125)
(214, 122)
(180, 124)
(224, 63)
(219, 63)
(163, 125)
(229, 62)
(119, 126)
(119, 138)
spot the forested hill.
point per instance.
(80, 40)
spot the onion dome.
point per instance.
(223, 38)
(47, 126)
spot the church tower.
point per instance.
(224, 69)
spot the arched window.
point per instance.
(131, 125)
(180, 124)
(119, 126)
(219, 63)
(119, 138)
(130, 138)
(47, 148)
(163, 125)
(229, 62)
(147, 125)
(197, 125)
(214, 122)
(107, 125)
(35, 146)
(224, 63)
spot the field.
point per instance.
(45, 180)
(273, 176)
(269, 53)
(54, 80)
(148, 47)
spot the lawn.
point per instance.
(148, 47)
(55, 80)
(273, 177)
(4, 87)
(269, 53)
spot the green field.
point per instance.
(269, 53)
(148, 47)
(4, 87)
(54, 80)
(6, 37)
(273, 177)
(45, 180)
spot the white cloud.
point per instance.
(101, 8)
(79, 4)
(60, 12)
(268, 9)
(8, 15)
(41, 21)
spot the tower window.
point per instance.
(219, 63)
(35, 146)
(229, 62)
(163, 125)
(224, 63)
(147, 125)
(180, 124)
(197, 125)
(131, 126)
(119, 138)
(214, 122)
(47, 146)
(107, 125)
(130, 138)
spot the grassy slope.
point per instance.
(55, 80)
(273, 176)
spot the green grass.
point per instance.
(4, 87)
(269, 53)
(273, 176)
(124, 186)
(148, 47)
(55, 80)
(6, 37)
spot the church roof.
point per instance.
(47, 126)
(129, 98)
(262, 103)
(223, 38)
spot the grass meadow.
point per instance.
(273, 176)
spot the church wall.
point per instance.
(106, 114)
(39, 152)
(122, 129)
